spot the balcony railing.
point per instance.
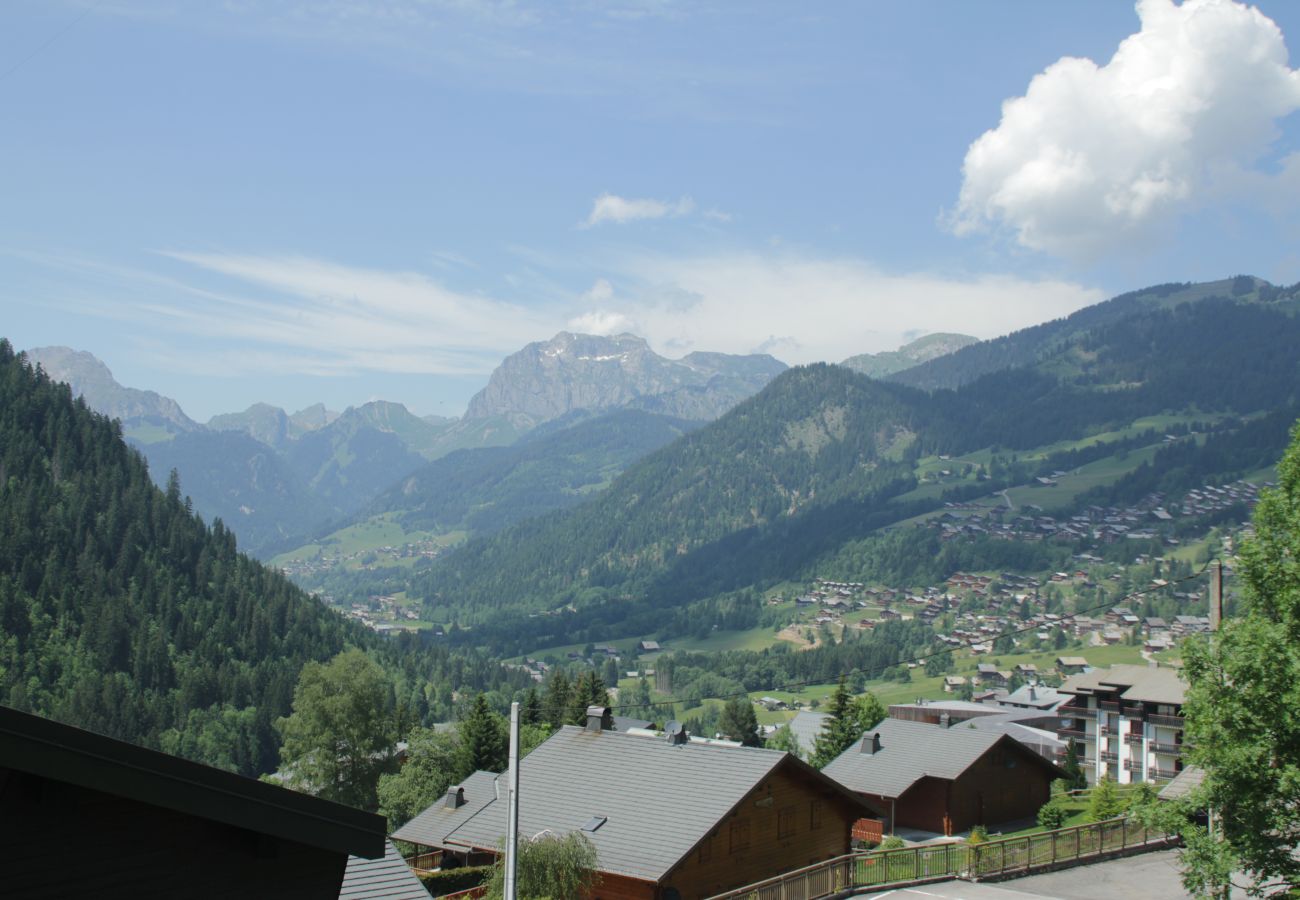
(1108, 705)
(1172, 749)
(1160, 772)
(1109, 755)
(1166, 721)
(1132, 765)
(1071, 732)
(1133, 737)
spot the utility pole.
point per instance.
(1216, 595)
(512, 806)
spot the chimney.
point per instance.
(945, 720)
(676, 733)
(455, 797)
(599, 719)
(870, 743)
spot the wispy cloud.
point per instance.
(613, 209)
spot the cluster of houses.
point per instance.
(382, 614)
(706, 816)
(362, 559)
(1098, 525)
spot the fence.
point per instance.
(930, 862)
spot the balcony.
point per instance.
(1166, 721)
(1160, 772)
(1133, 738)
(1109, 755)
(1067, 733)
(1110, 706)
(1171, 749)
(1132, 765)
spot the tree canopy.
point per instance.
(1242, 724)
(341, 735)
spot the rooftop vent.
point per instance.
(455, 798)
(676, 733)
(595, 822)
(599, 718)
(870, 742)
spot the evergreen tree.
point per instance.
(484, 740)
(556, 706)
(1104, 801)
(530, 710)
(739, 723)
(848, 719)
(784, 739)
(1075, 779)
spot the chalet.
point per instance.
(159, 826)
(944, 780)
(649, 647)
(952, 683)
(428, 831)
(702, 818)
(1071, 665)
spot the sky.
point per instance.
(283, 201)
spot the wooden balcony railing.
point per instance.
(1166, 721)
(931, 862)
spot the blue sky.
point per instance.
(292, 202)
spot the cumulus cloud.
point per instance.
(611, 208)
(1096, 157)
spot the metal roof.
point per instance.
(386, 878)
(658, 799)
(805, 726)
(910, 751)
(431, 827)
(1186, 781)
(71, 755)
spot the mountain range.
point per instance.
(823, 462)
(276, 478)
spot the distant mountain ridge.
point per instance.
(923, 349)
(547, 379)
(90, 378)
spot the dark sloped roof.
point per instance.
(910, 751)
(386, 878)
(658, 799)
(1186, 781)
(62, 753)
(431, 827)
(1147, 683)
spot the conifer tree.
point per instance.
(484, 740)
(739, 723)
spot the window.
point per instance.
(739, 835)
(785, 822)
(815, 815)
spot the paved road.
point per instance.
(1148, 876)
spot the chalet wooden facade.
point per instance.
(945, 779)
(674, 818)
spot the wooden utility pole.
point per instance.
(1216, 595)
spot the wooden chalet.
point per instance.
(85, 815)
(945, 779)
(671, 817)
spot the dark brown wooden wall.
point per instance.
(58, 840)
(719, 868)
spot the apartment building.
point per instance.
(1126, 722)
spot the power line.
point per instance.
(85, 11)
(918, 659)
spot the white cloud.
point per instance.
(602, 322)
(621, 210)
(1097, 157)
(805, 308)
(599, 292)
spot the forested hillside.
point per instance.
(806, 473)
(122, 612)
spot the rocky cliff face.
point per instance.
(90, 379)
(548, 379)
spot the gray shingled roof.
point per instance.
(659, 799)
(805, 726)
(1144, 683)
(910, 751)
(431, 827)
(386, 878)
